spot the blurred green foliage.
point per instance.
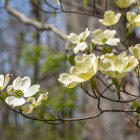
(60, 99)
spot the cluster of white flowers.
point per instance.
(21, 92)
(116, 66)
(107, 36)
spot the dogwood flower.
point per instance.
(124, 3)
(117, 66)
(133, 19)
(135, 51)
(110, 18)
(79, 40)
(4, 81)
(105, 37)
(138, 2)
(20, 89)
(27, 109)
(85, 67)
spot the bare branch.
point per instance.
(28, 21)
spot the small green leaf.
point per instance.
(54, 14)
(122, 82)
(104, 51)
(86, 2)
(135, 105)
(107, 50)
(94, 85)
(92, 46)
(71, 59)
(116, 84)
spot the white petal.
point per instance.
(10, 90)
(1, 80)
(31, 99)
(113, 41)
(31, 90)
(109, 33)
(41, 98)
(6, 81)
(25, 83)
(76, 49)
(83, 36)
(13, 101)
(73, 38)
(80, 47)
(97, 42)
(16, 83)
(27, 109)
(98, 35)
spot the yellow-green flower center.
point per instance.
(19, 93)
(104, 40)
(116, 72)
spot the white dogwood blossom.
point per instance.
(133, 19)
(105, 37)
(124, 3)
(117, 66)
(4, 81)
(28, 108)
(135, 51)
(85, 67)
(110, 18)
(138, 2)
(20, 88)
(79, 40)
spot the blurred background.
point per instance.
(41, 55)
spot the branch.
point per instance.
(28, 21)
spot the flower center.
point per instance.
(116, 72)
(19, 93)
(104, 40)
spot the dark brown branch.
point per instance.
(68, 11)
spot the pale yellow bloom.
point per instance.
(28, 108)
(138, 2)
(135, 51)
(133, 19)
(105, 37)
(110, 18)
(117, 66)
(124, 3)
(85, 67)
(79, 40)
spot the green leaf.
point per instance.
(135, 105)
(94, 85)
(107, 50)
(21, 34)
(122, 82)
(71, 59)
(116, 84)
(86, 2)
(54, 14)
(92, 46)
